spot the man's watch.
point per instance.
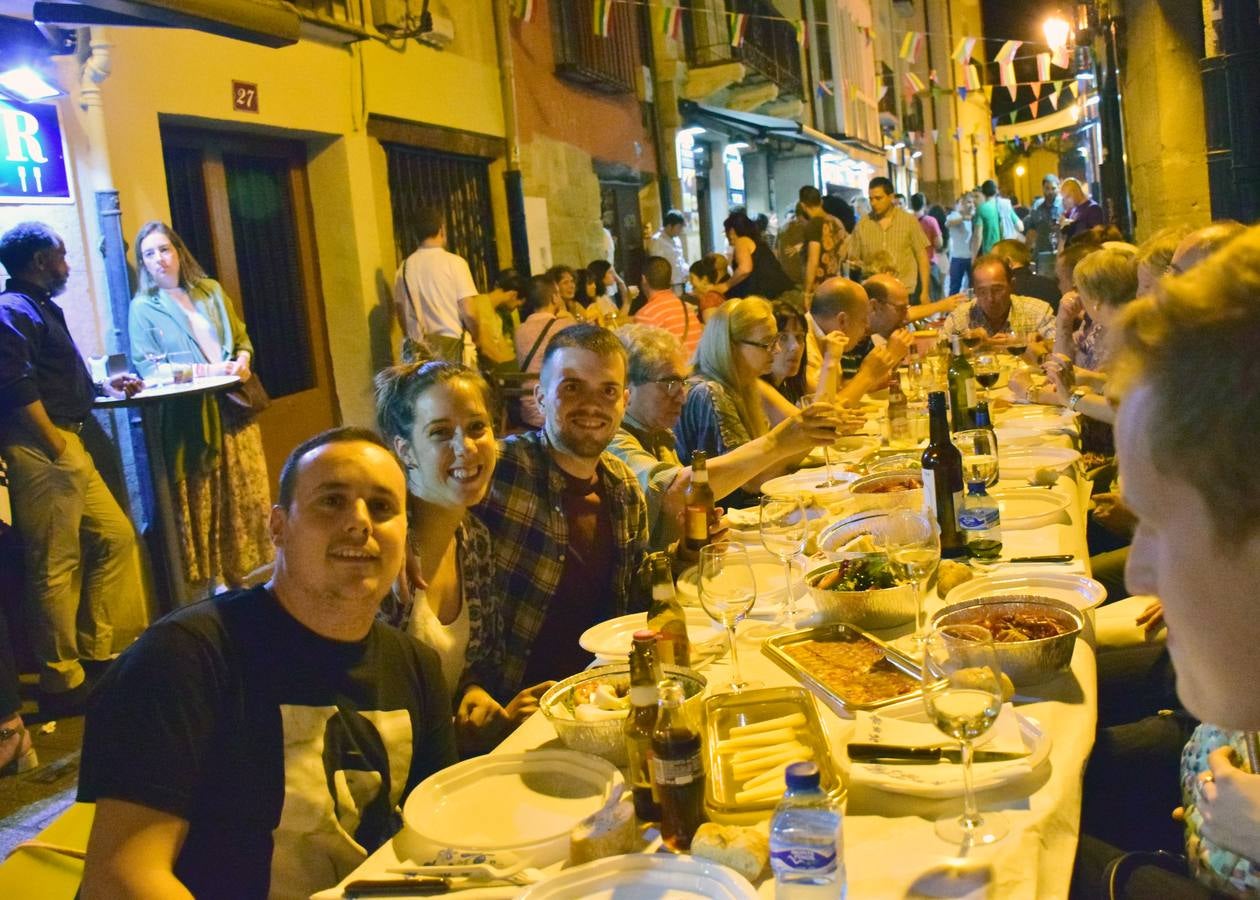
(1076, 397)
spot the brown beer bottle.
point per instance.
(666, 616)
(645, 673)
(699, 513)
(677, 769)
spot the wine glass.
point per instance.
(806, 401)
(1017, 345)
(727, 592)
(986, 368)
(914, 551)
(964, 707)
(156, 356)
(784, 529)
(978, 447)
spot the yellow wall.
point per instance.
(319, 93)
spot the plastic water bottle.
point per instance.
(980, 522)
(806, 839)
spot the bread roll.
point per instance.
(611, 831)
(746, 850)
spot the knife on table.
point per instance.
(859, 752)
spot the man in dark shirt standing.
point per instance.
(568, 519)
(65, 514)
(260, 743)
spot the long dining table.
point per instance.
(890, 846)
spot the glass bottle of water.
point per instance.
(806, 839)
(980, 522)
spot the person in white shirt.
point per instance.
(434, 295)
(667, 243)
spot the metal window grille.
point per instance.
(346, 11)
(769, 48)
(460, 187)
(608, 64)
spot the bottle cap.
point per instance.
(644, 634)
(802, 776)
(973, 487)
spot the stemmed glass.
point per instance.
(727, 592)
(806, 401)
(156, 357)
(986, 368)
(784, 530)
(978, 447)
(914, 551)
(964, 708)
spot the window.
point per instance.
(607, 64)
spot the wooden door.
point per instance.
(242, 205)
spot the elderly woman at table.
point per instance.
(657, 381)
(214, 451)
(437, 417)
(1187, 447)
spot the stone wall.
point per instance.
(1163, 106)
(564, 176)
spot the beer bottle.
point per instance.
(677, 769)
(666, 617)
(962, 387)
(898, 411)
(943, 477)
(645, 673)
(699, 504)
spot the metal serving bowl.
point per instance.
(606, 738)
(870, 610)
(866, 496)
(1024, 662)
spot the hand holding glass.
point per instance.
(727, 592)
(964, 707)
(806, 401)
(784, 529)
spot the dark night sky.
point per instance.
(1017, 20)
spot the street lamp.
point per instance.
(1057, 31)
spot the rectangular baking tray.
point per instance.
(775, 649)
(725, 711)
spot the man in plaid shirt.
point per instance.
(568, 520)
(996, 310)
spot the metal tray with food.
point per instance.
(750, 738)
(855, 669)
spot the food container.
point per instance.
(605, 738)
(1024, 662)
(885, 491)
(875, 609)
(853, 669)
(729, 710)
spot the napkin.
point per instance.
(942, 779)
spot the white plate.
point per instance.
(1025, 461)
(1032, 414)
(611, 640)
(808, 481)
(1018, 433)
(539, 796)
(769, 578)
(913, 780)
(644, 876)
(749, 518)
(1077, 590)
(1022, 508)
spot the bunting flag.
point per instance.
(958, 134)
(867, 33)
(1012, 89)
(988, 92)
(1014, 116)
(738, 25)
(1008, 51)
(1062, 58)
(936, 135)
(883, 91)
(1043, 66)
(802, 35)
(671, 19)
(1054, 98)
(523, 10)
(932, 77)
(603, 17)
(1006, 73)
(1075, 88)
(825, 88)
(971, 78)
(962, 52)
(914, 84)
(962, 94)
(910, 46)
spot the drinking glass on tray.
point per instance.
(964, 708)
(727, 591)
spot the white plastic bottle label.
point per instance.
(929, 492)
(806, 859)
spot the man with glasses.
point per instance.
(892, 230)
(996, 310)
(645, 442)
(567, 518)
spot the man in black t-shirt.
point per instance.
(259, 744)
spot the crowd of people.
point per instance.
(424, 582)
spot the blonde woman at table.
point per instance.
(436, 415)
(214, 453)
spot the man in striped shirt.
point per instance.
(665, 309)
(895, 232)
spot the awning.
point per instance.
(1065, 119)
(755, 125)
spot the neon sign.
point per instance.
(32, 155)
